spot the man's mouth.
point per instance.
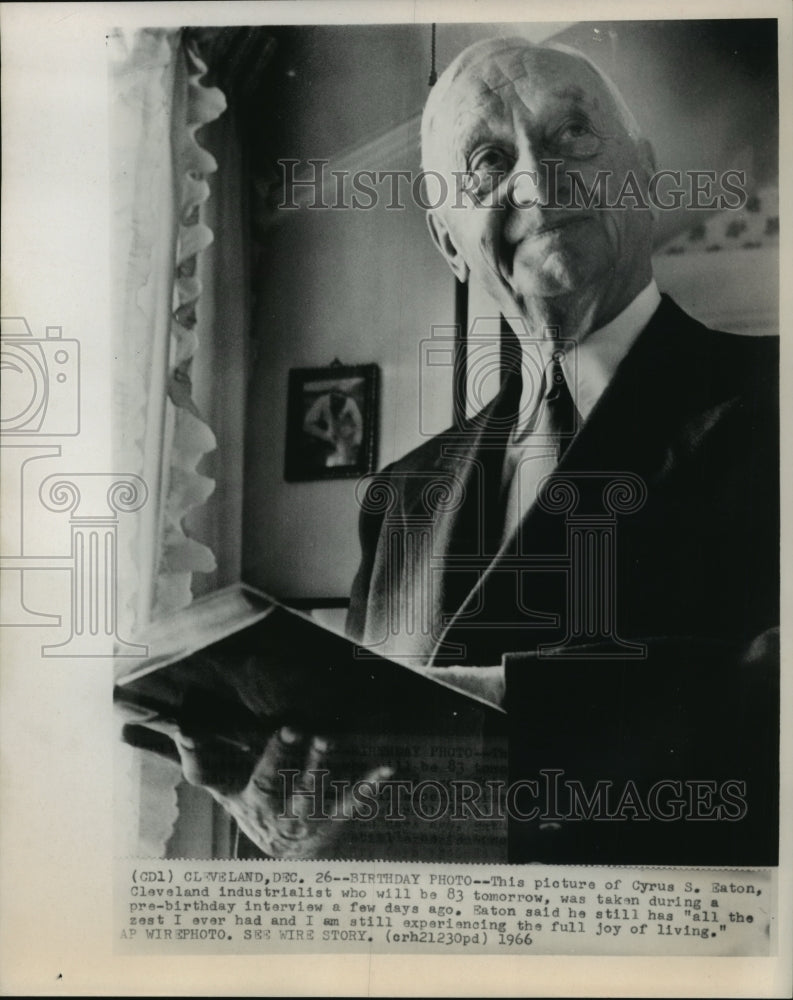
(560, 223)
(525, 250)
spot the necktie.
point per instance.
(534, 453)
(563, 417)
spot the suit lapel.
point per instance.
(459, 497)
(634, 427)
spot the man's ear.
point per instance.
(646, 154)
(442, 238)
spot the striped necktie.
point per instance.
(535, 452)
(563, 417)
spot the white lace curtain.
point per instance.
(159, 177)
(159, 190)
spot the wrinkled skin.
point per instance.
(503, 122)
(281, 827)
(252, 789)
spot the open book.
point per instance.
(669, 760)
(232, 668)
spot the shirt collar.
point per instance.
(597, 357)
(590, 366)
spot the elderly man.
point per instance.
(623, 383)
(605, 531)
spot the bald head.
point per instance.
(479, 72)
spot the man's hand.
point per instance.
(280, 813)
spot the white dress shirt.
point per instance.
(599, 354)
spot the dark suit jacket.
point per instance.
(689, 572)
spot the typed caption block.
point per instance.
(245, 907)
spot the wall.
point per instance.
(360, 286)
(703, 92)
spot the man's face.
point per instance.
(503, 121)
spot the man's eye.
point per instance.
(487, 167)
(487, 157)
(489, 160)
(575, 130)
(578, 138)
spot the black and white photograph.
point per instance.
(332, 422)
(604, 511)
(433, 559)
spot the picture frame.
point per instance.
(332, 422)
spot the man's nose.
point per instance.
(524, 186)
(535, 186)
(526, 180)
(524, 196)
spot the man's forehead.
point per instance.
(489, 84)
(504, 77)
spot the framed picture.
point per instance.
(332, 417)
